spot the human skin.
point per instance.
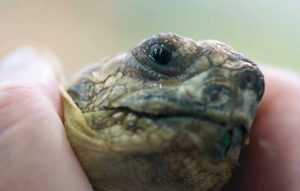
(35, 153)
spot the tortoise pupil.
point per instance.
(161, 54)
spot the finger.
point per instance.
(24, 67)
(271, 161)
(34, 151)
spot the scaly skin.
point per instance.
(171, 114)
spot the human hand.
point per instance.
(34, 152)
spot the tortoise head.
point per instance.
(171, 94)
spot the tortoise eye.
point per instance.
(165, 56)
(161, 54)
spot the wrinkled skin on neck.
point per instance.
(171, 114)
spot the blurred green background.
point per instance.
(81, 32)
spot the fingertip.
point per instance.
(34, 150)
(32, 67)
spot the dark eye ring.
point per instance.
(161, 54)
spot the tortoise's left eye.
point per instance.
(164, 56)
(161, 54)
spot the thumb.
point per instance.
(34, 151)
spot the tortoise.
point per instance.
(170, 114)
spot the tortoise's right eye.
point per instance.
(160, 54)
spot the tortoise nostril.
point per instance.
(254, 80)
(247, 79)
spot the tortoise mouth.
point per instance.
(217, 119)
(157, 104)
(172, 114)
(197, 113)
